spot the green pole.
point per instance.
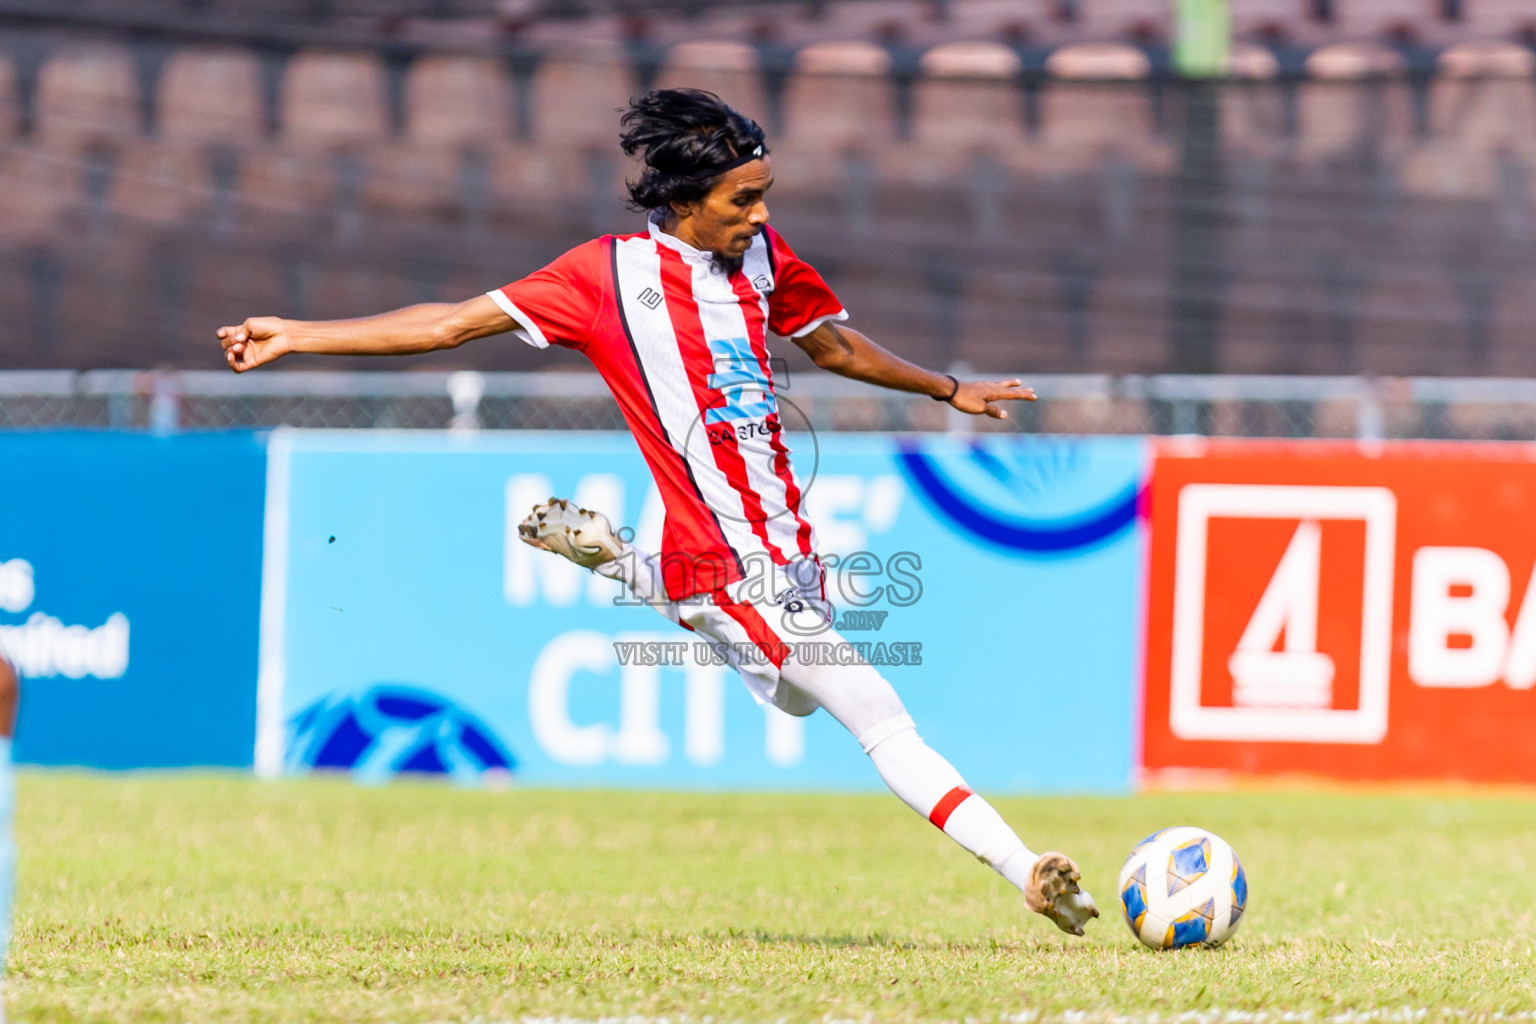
(1202, 38)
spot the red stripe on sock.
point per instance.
(947, 804)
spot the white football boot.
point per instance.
(586, 538)
(1054, 892)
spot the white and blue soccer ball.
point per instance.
(1183, 887)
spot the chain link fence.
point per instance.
(1226, 406)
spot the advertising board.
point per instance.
(129, 590)
(1331, 609)
(405, 628)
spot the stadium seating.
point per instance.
(575, 97)
(840, 96)
(210, 95)
(334, 99)
(966, 101)
(725, 67)
(1114, 111)
(458, 101)
(955, 176)
(87, 93)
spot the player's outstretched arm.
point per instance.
(422, 328)
(848, 353)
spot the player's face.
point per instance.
(725, 221)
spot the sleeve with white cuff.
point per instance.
(557, 304)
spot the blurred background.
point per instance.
(1255, 219)
(1003, 186)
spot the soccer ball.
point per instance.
(1183, 887)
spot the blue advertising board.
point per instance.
(405, 628)
(129, 590)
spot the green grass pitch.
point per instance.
(182, 898)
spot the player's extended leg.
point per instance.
(10, 690)
(859, 698)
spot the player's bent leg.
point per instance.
(793, 701)
(856, 695)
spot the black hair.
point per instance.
(683, 134)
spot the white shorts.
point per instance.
(787, 652)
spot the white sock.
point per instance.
(929, 785)
(1017, 866)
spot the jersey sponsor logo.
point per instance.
(762, 283)
(762, 429)
(745, 423)
(650, 298)
(746, 392)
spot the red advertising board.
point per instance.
(1339, 610)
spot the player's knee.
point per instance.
(792, 700)
(898, 731)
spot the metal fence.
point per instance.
(1231, 406)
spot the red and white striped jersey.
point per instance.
(683, 347)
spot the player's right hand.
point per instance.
(260, 339)
(979, 397)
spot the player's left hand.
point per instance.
(260, 339)
(977, 397)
